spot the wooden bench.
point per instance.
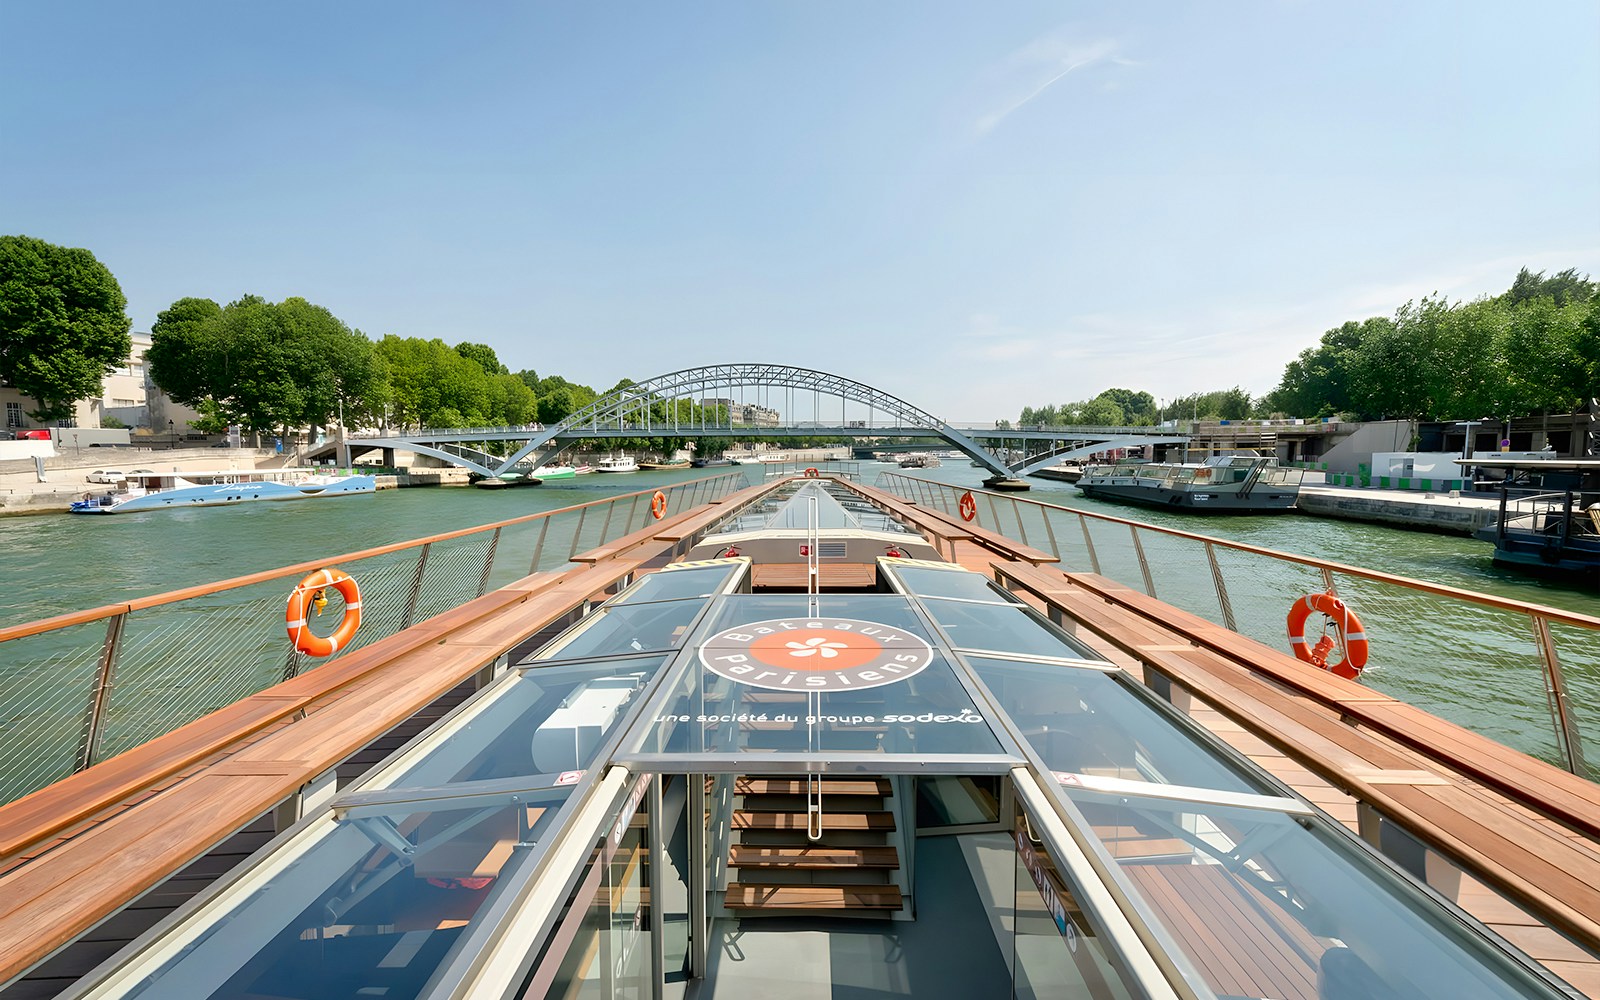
(1561, 795)
(993, 540)
(1530, 862)
(147, 813)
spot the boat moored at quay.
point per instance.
(169, 490)
(809, 733)
(1223, 484)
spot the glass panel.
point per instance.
(627, 628)
(886, 609)
(1095, 723)
(601, 947)
(930, 713)
(1059, 954)
(374, 905)
(1005, 629)
(674, 584)
(957, 800)
(1301, 911)
(949, 583)
(546, 720)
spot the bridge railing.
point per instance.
(1526, 675)
(80, 688)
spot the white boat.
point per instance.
(619, 463)
(166, 490)
(1236, 484)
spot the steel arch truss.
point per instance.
(631, 407)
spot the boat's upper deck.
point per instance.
(607, 816)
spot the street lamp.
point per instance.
(172, 429)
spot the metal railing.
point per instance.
(1523, 674)
(79, 688)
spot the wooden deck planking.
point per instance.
(1576, 965)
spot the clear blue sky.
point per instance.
(973, 206)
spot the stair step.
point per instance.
(751, 856)
(812, 897)
(758, 819)
(797, 786)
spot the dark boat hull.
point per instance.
(1197, 501)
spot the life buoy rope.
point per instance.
(658, 505)
(1342, 619)
(308, 596)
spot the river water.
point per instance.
(58, 563)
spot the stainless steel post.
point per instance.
(605, 526)
(416, 587)
(1055, 549)
(1144, 564)
(538, 546)
(94, 715)
(488, 562)
(1088, 543)
(1222, 590)
(699, 872)
(577, 534)
(1555, 685)
(1022, 529)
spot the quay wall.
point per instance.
(1453, 515)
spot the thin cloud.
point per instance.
(1040, 65)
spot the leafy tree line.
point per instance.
(1534, 348)
(1125, 407)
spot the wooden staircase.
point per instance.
(854, 867)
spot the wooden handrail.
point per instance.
(1437, 589)
(90, 615)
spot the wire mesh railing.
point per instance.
(1523, 674)
(80, 688)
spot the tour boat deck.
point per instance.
(1017, 872)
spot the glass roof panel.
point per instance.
(1304, 912)
(1089, 722)
(617, 630)
(926, 582)
(378, 899)
(545, 720)
(862, 676)
(1005, 629)
(672, 584)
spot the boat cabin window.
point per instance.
(1266, 904)
(928, 582)
(1088, 724)
(1005, 629)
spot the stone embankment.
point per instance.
(1451, 513)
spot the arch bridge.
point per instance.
(745, 401)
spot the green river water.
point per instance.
(58, 563)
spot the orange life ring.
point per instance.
(1343, 619)
(658, 505)
(307, 592)
(812, 473)
(968, 506)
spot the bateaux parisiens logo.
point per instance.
(815, 654)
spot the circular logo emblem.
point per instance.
(815, 654)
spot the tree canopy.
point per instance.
(63, 324)
(265, 366)
(1530, 349)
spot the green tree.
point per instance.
(1136, 407)
(63, 324)
(484, 355)
(178, 339)
(265, 366)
